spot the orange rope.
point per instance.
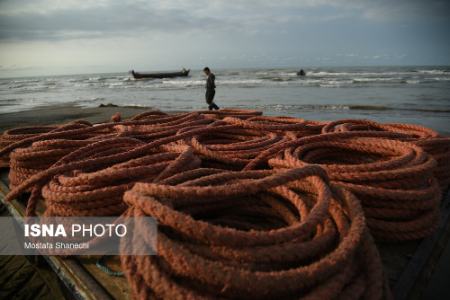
(393, 180)
(249, 206)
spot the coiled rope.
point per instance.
(244, 201)
(393, 180)
(214, 241)
(428, 139)
(99, 192)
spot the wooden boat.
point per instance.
(182, 73)
(301, 73)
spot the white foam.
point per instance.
(434, 72)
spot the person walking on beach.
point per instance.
(210, 88)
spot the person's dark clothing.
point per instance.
(211, 82)
(213, 106)
(210, 99)
(209, 96)
(211, 91)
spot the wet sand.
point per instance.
(64, 113)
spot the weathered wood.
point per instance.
(137, 75)
(77, 274)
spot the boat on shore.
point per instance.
(138, 75)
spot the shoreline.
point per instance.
(63, 113)
(54, 114)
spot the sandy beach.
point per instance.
(56, 114)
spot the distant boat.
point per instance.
(301, 73)
(182, 73)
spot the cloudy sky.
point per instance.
(66, 36)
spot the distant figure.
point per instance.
(301, 73)
(210, 88)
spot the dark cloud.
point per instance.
(50, 20)
(404, 10)
(96, 21)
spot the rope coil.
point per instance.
(14, 135)
(393, 180)
(208, 255)
(249, 206)
(437, 146)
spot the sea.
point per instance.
(419, 95)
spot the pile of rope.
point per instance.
(392, 179)
(98, 191)
(439, 148)
(25, 162)
(426, 138)
(92, 175)
(249, 206)
(232, 148)
(264, 234)
(17, 134)
(33, 154)
(281, 125)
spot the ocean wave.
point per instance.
(387, 74)
(183, 83)
(346, 107)
(355, 73)
(278, 78)
(434, 72)
(382, 107)
(101, 78)
(306, 107)
(76, 79)
(239, 81)
(433, 110)
(18, 86)
(26, 81)
(187, 83)
(379, 80)
(440, 78)
(21, 88)
(338, 78)
(89, 100)
(334, 83)
(413, 81)
(116, 84)
(9, 102)
(233, 73)
(201, 83)
(271, 81)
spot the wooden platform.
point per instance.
(409, 266)
(80, 275)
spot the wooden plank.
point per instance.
(78, 279)
(418, 273)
